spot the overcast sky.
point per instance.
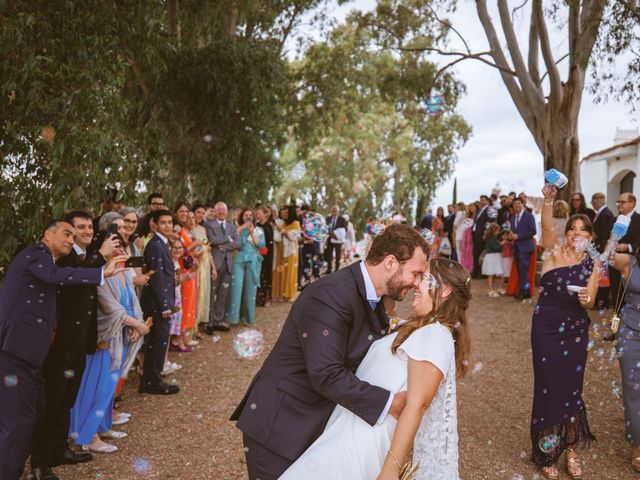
(501, 149)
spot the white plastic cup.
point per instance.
(556, 178)
(621, 226)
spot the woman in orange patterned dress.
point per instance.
(188, 288)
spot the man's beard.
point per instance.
(395, 286)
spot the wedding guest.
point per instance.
(479, 225)
(503, 211)
(579, 205)
(290, 231)
(628, 348)
(91, 415)
(523, 226)
(206, 268)
(448, 229)
(75, 337)
(466, 247)
(427, 220)
(559, 338)
(175, 330)
(223, 238)
(458, 229)
(349, 240)
(130, 218)
(337, 232)
(27, 321)
(628, 244)
(602, 226)
(492, 262)
(279, 271)
(438, 232)
(246, 271)
(157, 301)
(508, 247)
(265, 222)
(560, 217)
(154, 202)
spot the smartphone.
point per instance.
(112, 229)
(135, 262)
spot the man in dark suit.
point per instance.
(224, 240)
(448, 225)
(523, 225)
(27, 322)
(154, 202)
(503, 212)
(75, 337)
(158, 301)
(427, 220)
(325, 337)
(479, 226)
(337, 231)
(602, 225)
(628, 244)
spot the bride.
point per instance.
(422, 357)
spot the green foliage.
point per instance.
(362, 129)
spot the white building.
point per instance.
(613, 170)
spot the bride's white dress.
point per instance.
(351, 449)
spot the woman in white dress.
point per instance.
(422, 357)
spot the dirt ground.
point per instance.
(188, 436)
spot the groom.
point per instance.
(312, 365)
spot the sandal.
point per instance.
(106, 448)
(551, 472)
(111, 435)
(635, 459)
(574, 466)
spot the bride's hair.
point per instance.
(450, 311)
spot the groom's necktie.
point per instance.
(373, 304)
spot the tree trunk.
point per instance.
(420, 208)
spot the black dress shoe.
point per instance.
(518, 296)
(42, 473)
(70, 457)
(209, 329)
(163, 388)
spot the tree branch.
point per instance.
(547, 55)
(557, 62)
(591, 18)
(528, 86)
(447, 24)
(534, 54)
(512, 85)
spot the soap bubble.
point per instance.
(141, 466)
(548, 443)
(492, 212)
(69, 374)
(248, 343)
(11, 380)
(298, 171)
(314, 227)
(207, 138)
(428, 235)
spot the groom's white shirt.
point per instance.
(372, 296)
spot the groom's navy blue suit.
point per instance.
(311, 369)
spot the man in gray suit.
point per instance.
(224, 240)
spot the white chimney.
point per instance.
(624, 135)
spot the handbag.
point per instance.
(615, 319)
(445, 248)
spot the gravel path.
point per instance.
(188, 436)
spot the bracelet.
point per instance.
(395, 459)
(548, 204)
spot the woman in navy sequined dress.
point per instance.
(559, 337)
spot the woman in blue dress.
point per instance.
(559, 338)
(246, 271)
(120, 332)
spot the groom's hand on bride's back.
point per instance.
(397, 405)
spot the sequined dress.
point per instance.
(559, 338)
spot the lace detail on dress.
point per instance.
(436, 443)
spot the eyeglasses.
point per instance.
(130, 222)
(157, 204)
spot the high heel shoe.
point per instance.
(574, 466)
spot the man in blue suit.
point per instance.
(157, 301)
(523, 225)
(27, 322)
